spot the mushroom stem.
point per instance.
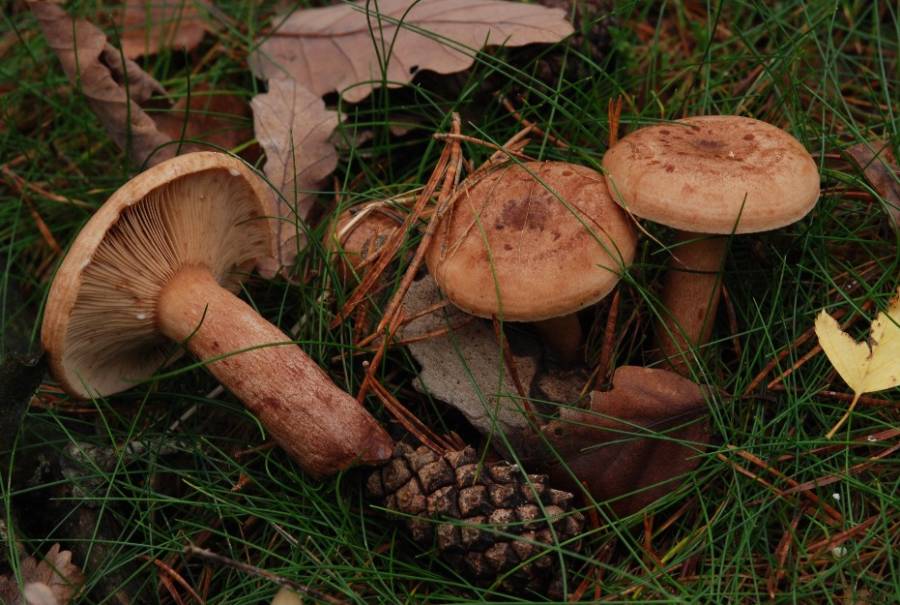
(320, 426)
(562, 335)
(691, 298)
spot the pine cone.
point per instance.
(489, 520)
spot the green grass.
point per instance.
(826, 71)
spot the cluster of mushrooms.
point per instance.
(156, 269)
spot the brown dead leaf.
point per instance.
(53, 581)
(114, 86)
(876, 160)
(633, 444)
(343, 48)
(220, 119)
(294, 129)
(464, 367)
(116, 89)
(149, 26)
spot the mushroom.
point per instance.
(533, 242)
(708, 175)
(155, 269)
(357, 235)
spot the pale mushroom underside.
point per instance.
(210, 219)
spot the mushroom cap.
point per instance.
(199, 209)
(357, 234)
(713, 174)
(531, 241)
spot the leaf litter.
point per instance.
(355, 47)
(149, 26)
(53, 581)
(294, 129)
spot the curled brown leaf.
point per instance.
(633, 443)
(114, 85)
(876, 160)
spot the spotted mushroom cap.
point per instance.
(713, 174)
(532, 241)
(99, 327)
(357, 235)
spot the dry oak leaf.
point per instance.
(294, 129)
(877, 162)
(53, 581)
(632, 445)
(464, 366)
(149, 26)
(206, 117)
(344, 48)
(868, 366)
(114, 87)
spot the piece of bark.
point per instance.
(465, 367)
(294, 129)
(876, 160)
(632, 445)
(354, 47)
(114, 86)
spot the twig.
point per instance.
(21, 185)
(732, 321)
(513, 371)
(449, 136)
(748, 473)
(409, 420)
(781, 553)
(796, 487)
(609, 337)
(391, 313)
(838, 539)
(174, 575)
(834, 478)
(507, 104)
(312, 593)
(614, 113)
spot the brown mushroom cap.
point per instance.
(100, 328)
(357, 234)
(545, 238)
(713, 174)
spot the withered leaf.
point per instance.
(633, 443)
(149, 26)
(207, 116)
(53, 581)
(345, 48)
(114, 86)
(464, 367)
(294, 129)
(879, 166)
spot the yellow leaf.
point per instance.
(849, 358)
(865, 366)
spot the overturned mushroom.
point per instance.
(156, 268)
(535, 242)
(708, 175)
